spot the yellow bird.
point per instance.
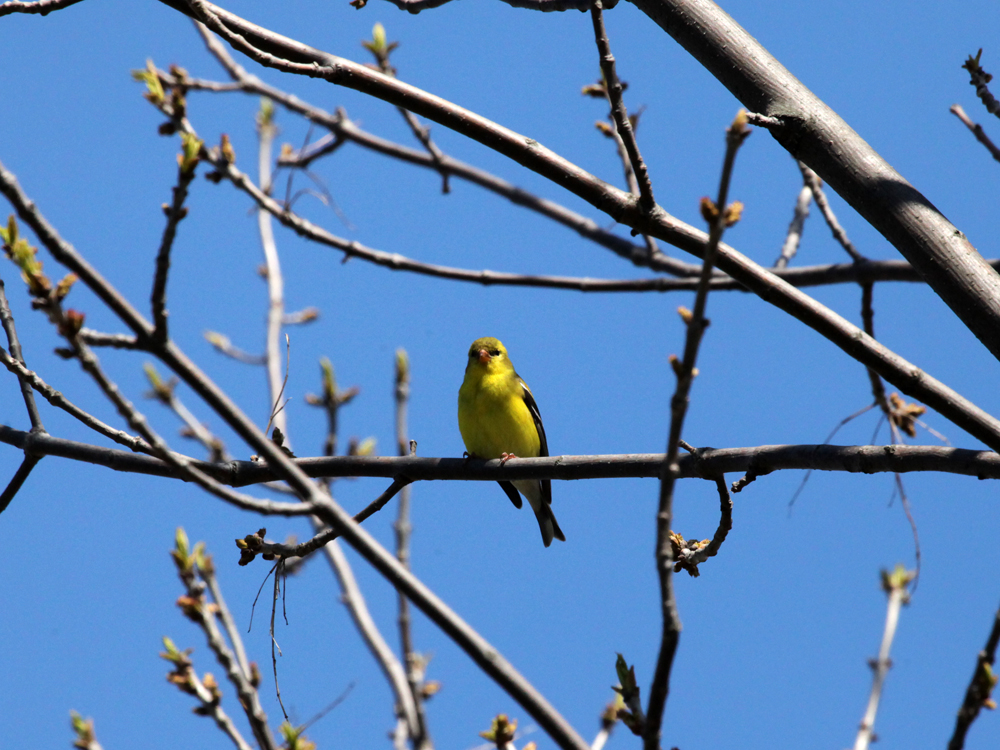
(498, 418)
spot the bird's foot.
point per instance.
(505, 457)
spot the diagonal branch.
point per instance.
(29, 462)
(980, 687)
(977, 130)
(813, 133)
(41, 7)
(623, 207)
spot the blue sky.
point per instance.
(779, 626)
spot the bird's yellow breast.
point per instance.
(493, 417)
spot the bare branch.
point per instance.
(816, 187)
(7, 321)
(813, 133)
(56, 398)
(623, 125)
(719, 215)
(794, 236)
(980, 688)
(175, 213)
(623, 207)
(895, 585)
(709, 462)
(977, 130)
(17, 481)
(41, 7)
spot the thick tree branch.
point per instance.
(620, 205)
(41, 7)
(816, 135)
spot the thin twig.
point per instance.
(794, 235)
(175, 212)
(278, 571)
(895, 585)
(693, 552)
(622, 123)
(166, 393)
(7, 321)
(415, 663)
(381, 50)
(977, 696)
(266, 130)
(191, 567)
(14, 485)
(112, 340)
(980, 78)
(684, 369)
(816, 186)
(977, 130)
(224, 345)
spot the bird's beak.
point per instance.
(484, 356)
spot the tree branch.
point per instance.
(41, 7)
(623, 125)
(977, 130)
(7, 321)
(29, 462)
(719, 216)
(707, 463)
(980, 686)
(813, 133)
(623, 207)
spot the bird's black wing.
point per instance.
(543, 447)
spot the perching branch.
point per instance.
(709, 462)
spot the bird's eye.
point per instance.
(494, 352)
